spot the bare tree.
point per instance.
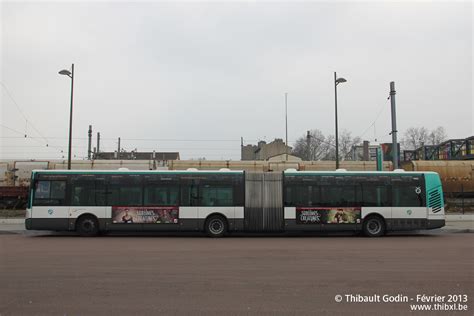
(320, 147)
(414, 137)
(313, 148)
(345, 144)
(437, 136)
(331, 151)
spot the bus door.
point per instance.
(263, 202)
(188, 217)
(50, 210)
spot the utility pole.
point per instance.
(394, 127)
(98, 142)
(308, 144)
(89, 144)
(118, 149)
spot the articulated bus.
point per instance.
(225, 201)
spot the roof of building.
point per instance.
(131, 155)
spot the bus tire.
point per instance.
(216, 226)
(374, 226)
(87, 226)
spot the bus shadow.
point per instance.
(233, 235)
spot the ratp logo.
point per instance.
(409, 212)
(50, 211)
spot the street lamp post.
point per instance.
(70, 74)
(286, 124)
(336, 82)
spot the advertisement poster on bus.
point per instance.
(145, 215)
(328, 215)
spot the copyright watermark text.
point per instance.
(418, 302)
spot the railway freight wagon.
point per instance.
(457, 177)
(224, 201)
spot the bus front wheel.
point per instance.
(374, 226)
(87, 226)
(216, 226)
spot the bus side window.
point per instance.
(87, 191)
(288, 196)
(161, 195)
(124, 190)
(216, 195)
(189, 193)
(239, 191)
(43, 189)
(339, 196)
(374, 194)
(407, 191)
(50, 193)
(58, 190)
(302, 195)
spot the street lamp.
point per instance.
(70, 74)
(336, 82)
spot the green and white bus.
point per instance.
(225, 201)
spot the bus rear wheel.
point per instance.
(374, 226)
(87, 226)
(216, 226)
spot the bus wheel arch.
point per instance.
(87, 225)
(216, 225)
(374, 225)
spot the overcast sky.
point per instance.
(195, 77)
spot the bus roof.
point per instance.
(123, 171)
(343, 172)
(228, 171)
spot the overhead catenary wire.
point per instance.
(27, 121)
(382, 109)
(147, 139)
(27, 137)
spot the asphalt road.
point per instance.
(150, 275)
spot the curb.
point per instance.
(12, 220)
(460, 218)
(11, 232)
(458, 231)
